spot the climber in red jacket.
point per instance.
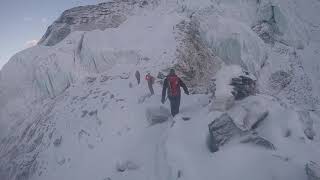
(150, 80)
(172, 84)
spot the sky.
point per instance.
(23, 22)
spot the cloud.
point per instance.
(27, 19)
(31, 43)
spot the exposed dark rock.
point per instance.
(57, 142)
(211, 143)
(212, 87)
(120, 100)
(144, 3)
(312, 170)
(257, 140)
(285, 159)
(104, 78)
(186, 118)
(61, 161)
(243, 87)
(58, 34)
(127, 165)
(84, 113)
(105, 93)
(260, 119)
(221, 131)
(95, 112)
(91, 79)
(309, 133)
(287, 133)
(179, 174)
(146, 59)
(124, 76)
(229, 127)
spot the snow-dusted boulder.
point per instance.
(157, 115)
(222, 103)
(126, 165)
(222, 130)
(248, 113)
(240, 122)
(230, 84)
(257, 140)
(307, 122)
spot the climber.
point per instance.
(172, 84)
(150, 80)
(138, 76)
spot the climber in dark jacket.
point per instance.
(137, 74)
(172, 84)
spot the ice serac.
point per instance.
(70, 107)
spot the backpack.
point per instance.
(150, 78)
(174, 86)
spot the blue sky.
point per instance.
(23, 22)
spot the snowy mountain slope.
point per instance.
(70, 107)
(87, 18)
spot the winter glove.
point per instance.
(162, 101)
(187, 93)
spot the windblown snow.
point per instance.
(71, 108)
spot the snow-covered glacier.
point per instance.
(70, 107)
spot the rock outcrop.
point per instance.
(196, 61)
(243, 87)
(240, 124)
(221, 131)
(87, 18)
